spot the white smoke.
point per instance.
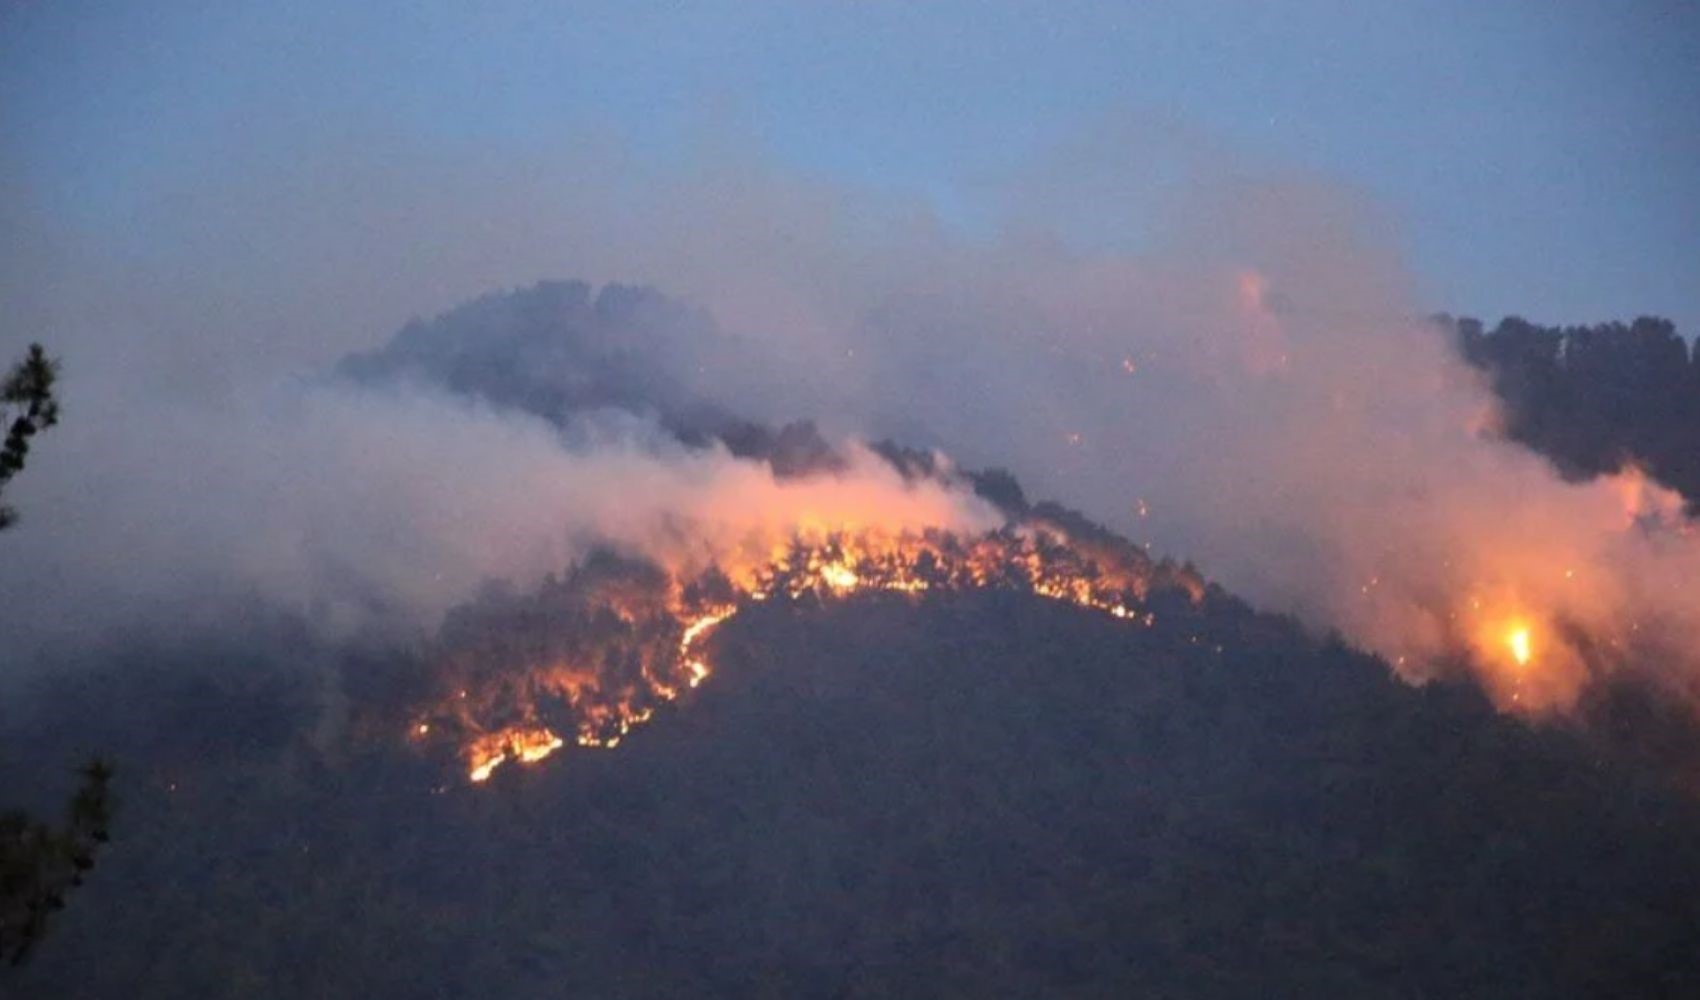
(1249, 387)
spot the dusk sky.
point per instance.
(1528, 158)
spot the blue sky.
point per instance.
(1535, 157)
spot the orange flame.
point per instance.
(1517, 640)
(602, 708)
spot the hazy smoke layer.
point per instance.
(1256, 391)
(361, 507)
(1258, 394)
(1242, 381)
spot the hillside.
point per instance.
(988, 793)
(978, 787)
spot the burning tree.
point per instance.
(586, 659)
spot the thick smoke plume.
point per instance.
(1243, 380)
(361, 507)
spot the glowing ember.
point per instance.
(1518, 642)
(526, 745)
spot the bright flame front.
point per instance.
(601, 653)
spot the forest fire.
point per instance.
(1590, 588)
(587, 659)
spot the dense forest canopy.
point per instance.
(987, 793)
(1593, 398)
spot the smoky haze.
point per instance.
(1252, 388)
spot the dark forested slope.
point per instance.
(973, 795)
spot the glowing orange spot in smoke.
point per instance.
(1518, 641)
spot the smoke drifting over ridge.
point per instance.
(361, 507)
(1250, 389)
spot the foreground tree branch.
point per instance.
(40, 863)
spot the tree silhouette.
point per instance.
(28, 407)
(1593, 398)
(40, 863)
